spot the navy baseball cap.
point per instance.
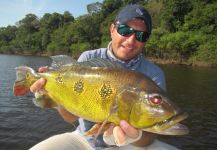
(134, 11)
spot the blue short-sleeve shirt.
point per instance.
(139, 64)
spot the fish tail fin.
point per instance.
(25, 77)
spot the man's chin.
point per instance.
(125, 58)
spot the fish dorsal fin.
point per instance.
(64, 60)
(100, 62)
(61, 60)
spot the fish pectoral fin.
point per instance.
(125, 101)
(129, 94)
(98, 129)
(43, 100)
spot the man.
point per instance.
(129, 32)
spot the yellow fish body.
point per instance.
(106, 93)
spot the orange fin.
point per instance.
(20, 89)
(97, 129)
(25, 77)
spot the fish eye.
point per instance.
(156, 99)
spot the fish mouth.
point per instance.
(172, 120)
(170, 126)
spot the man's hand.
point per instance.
(39, 85)
(125, 134)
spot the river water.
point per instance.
(22, 124)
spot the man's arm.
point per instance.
(120, 132)
(125, 134)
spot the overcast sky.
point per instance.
(11, 11)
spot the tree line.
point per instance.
(182, 30)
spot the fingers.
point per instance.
(123, 134)
(119, 135)
(43, 69)
(129, 130)
(39, 84)
(109, 131)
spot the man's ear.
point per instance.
(112, 28)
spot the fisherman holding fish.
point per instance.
(129, 32)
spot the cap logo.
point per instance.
(139, 11)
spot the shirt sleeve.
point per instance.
(84, 56)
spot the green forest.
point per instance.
(183, 31)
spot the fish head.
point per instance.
(154, 112)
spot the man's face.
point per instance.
(126, 48)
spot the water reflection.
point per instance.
(194, 89)
(23, 125)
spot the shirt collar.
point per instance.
(127, 64)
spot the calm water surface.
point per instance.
(22, 124)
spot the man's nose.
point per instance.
(131, 38)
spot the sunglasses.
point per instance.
(125, 30)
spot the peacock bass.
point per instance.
(102, 91)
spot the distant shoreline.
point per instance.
(154, 60)
(183, 62)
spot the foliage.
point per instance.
(60, 42)
(202, 18)
(207, 51)
(182, 29)
(94, 7)
(177, 45)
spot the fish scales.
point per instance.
(109, 94)
(98, 89)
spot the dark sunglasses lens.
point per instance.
(124, 30)
(141, 36)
